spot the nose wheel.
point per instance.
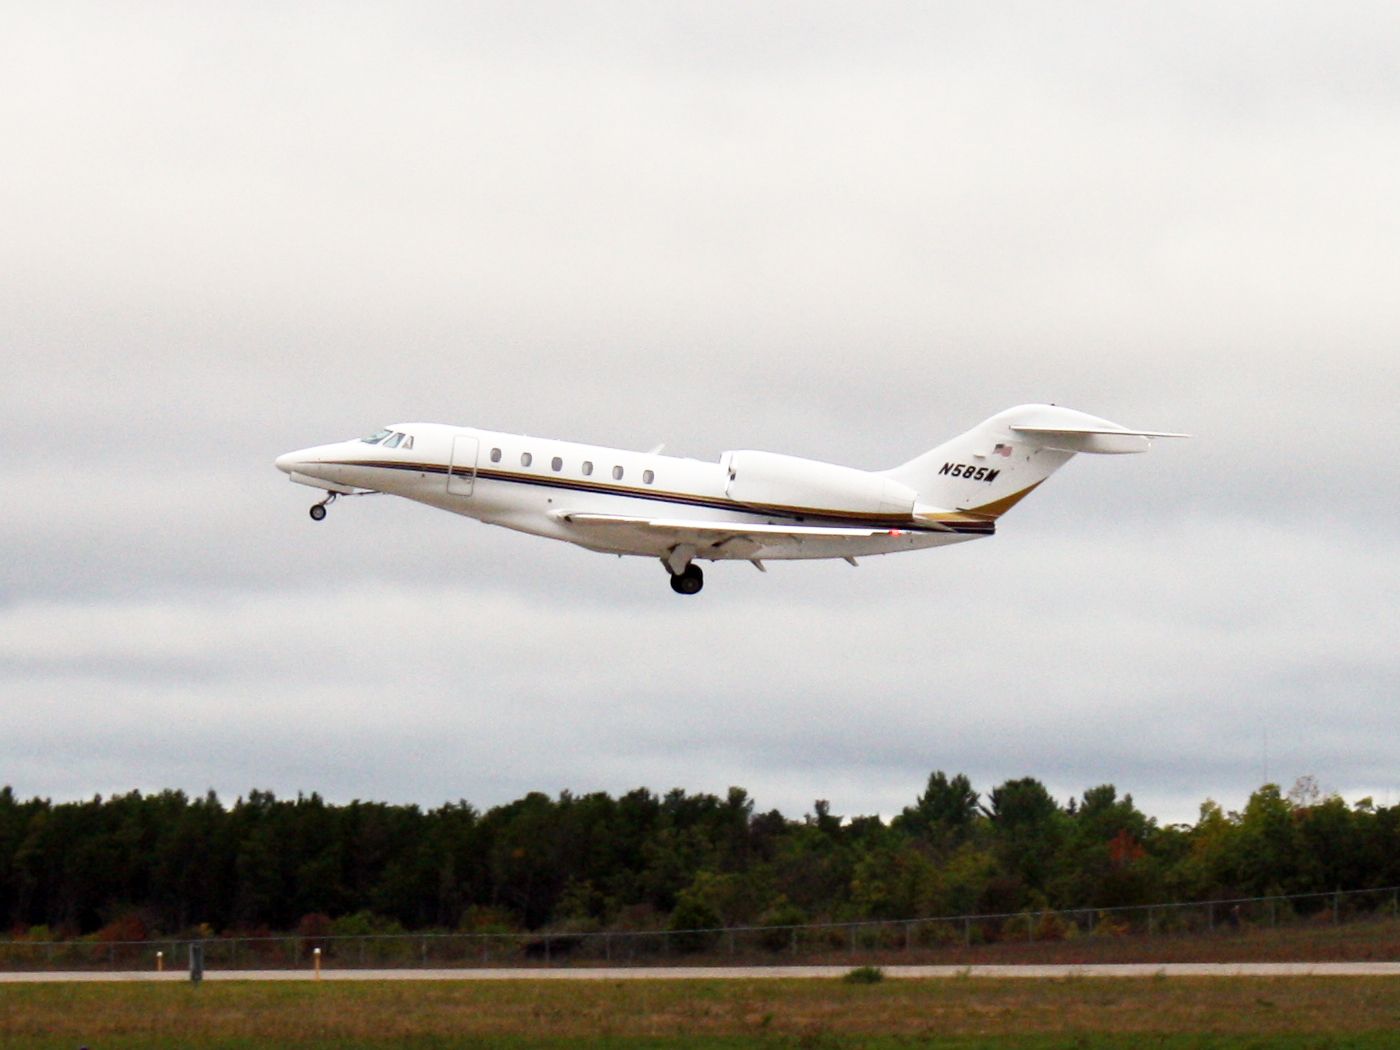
(318, 510)
(688, 582)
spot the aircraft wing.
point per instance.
(711, 534)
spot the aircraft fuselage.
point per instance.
(750, 505)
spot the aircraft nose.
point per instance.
(287, 462)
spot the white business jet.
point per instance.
(750, 506)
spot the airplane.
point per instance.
(749, 506)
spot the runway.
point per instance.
(741, 973)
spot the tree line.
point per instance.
(138, 865)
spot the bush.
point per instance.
(776, 936)
(692, 925)
(478, 919)
(865, 975)
(364, 924)
(1107, 925)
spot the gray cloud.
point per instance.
(837, 233)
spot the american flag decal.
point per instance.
(1002, 450)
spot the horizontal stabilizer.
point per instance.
(1097, 430)
(1101, 440)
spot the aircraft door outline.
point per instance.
(461, 469)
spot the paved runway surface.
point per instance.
(749, 973)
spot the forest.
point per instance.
(139, 865)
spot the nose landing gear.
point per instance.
(318, 510)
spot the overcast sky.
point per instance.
(843, 231)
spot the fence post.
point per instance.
(908, 936)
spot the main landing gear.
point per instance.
(686, 577)
(318, 510)
(689, 581)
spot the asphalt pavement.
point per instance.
(745, 973)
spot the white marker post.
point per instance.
(160, 962)
(316, 958)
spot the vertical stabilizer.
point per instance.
(989, 469)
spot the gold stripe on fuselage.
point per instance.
(941, 522)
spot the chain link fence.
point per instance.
(754, 944)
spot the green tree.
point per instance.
(945, 815)
(1105, 860)
(1028, 829)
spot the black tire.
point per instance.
(688, 582)
(318, 511)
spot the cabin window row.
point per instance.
(557, 464)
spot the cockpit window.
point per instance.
(387, 438)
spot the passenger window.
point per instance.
(648, 477)
(393, 441)
(617, 473)
(556, 463)
(495, 455)
(526, 459)
(587, 468)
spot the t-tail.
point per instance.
(980, 475)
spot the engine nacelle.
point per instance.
(771, 481)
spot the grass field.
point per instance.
(963, 1013)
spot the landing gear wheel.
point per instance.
(318, 510)
(688, 582)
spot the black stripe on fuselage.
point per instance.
(833, 518)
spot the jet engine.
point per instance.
(767, 480)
